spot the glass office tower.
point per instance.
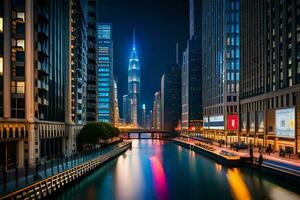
(221, 66)
(105, 69)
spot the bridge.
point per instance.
(147, 134)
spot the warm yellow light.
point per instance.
(1, 66)
(20, 87)
(237, 185)
(1, 24)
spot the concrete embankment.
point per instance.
(50, 185)
(232, 160)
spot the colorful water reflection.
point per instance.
(155, 169)
(159, 178)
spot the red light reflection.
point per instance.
(159, 178)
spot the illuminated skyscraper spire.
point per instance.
(134, 85)
(133, 47)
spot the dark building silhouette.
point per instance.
(191, 73)
(171, 97)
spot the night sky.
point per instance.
(159, 24)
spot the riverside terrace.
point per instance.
(272, 163)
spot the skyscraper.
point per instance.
(221, 68)
(115, 104)
(144, 116)
(157, 111)
(171, 97)
(105, 73)
(91, 96)
(35, 71)
(270, 74)
(191, 73)
(134, 86)
(78, 65)
(126, 113)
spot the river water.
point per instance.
(158, 169)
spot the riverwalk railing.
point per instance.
(53, 183)
(20, 177)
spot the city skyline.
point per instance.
(150, 30)
(135, 99)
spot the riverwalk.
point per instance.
(54, 178)
(288, 166)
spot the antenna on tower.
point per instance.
(133, 38)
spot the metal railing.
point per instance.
(52, 168)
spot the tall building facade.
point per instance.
(134, 86)
(270, 74)
(115, 104)
(191, 74)
(35, 73)
(144, 116)
(171, 97)
(126, 113)
(157, 111)
(105, 73)
(91, 92)
(78, 64)
(221, 68)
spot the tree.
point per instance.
(92, 133)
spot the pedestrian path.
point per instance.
(48, 169)
(273, 160)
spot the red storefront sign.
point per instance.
(233, 122)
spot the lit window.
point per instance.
(1, 24)
(290, 72)
(1, 66)
(18, 87)
(21, 15)
(21, 43)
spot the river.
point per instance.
(158, 169)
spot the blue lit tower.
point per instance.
(134, 85)
(105, 69)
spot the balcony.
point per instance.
(42, 67)
(42, 85)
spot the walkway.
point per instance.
(273, 160)
(47, 169)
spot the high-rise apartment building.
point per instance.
(36, 67)
(78, 64)
(91, 95)
(171, 97)
(270, 74)
(105, 73)
(221, 68)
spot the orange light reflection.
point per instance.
(237, 185)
